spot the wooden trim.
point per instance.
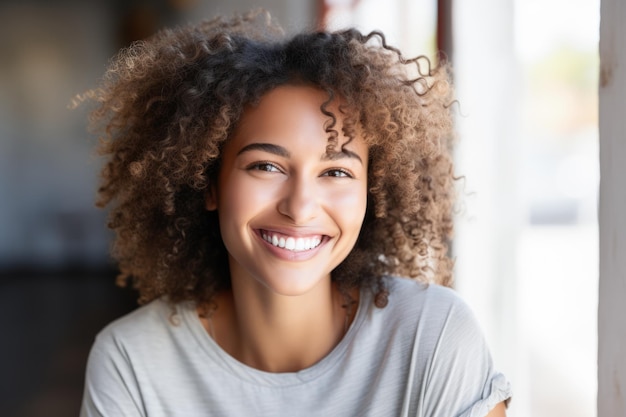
(444, 28)
(612, 212)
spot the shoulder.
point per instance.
(122, 360)
(140, 321)
(143, 329)
(124, 353)
(436, 316)
(425, 298)
(452, 355)
(408, 285)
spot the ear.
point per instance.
(210, 198)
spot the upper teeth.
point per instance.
(293, 244)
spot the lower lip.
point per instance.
(288, 255)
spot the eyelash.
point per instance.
(271, 167)
(263, 165)
(344, 173)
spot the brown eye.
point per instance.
(338, 173)
(264, 166)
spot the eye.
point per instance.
(338, 173)
(263, 166)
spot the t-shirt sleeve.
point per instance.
(460, 378)
(111, 388)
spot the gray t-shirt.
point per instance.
(422, 355)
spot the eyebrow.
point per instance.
(266, 147)
(280, 151)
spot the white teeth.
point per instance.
(293, 244)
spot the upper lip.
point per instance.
(292, 233)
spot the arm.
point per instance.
(498, 411)
(462, 380)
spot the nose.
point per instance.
(300, 201)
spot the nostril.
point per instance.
(299, 205)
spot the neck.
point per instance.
(276, 333)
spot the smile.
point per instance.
(294, 244)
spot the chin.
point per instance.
(293, 283)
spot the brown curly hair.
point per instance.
(167, 105)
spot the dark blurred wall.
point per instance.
(48, 53)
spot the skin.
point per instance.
(283, 313)
(498, 411)
(277, 181)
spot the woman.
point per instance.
(268, 195)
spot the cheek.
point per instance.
(243, 198)
(349, 207)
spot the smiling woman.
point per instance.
(295, 216)
(288, 189)
(288, 205)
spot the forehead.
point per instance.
(293, 112)
(287, 106)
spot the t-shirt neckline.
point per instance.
(231, 365)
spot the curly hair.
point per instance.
(167, 105)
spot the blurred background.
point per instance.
(526, 75)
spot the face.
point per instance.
(289, 213)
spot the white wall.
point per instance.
(486, 76)
(612, 302)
